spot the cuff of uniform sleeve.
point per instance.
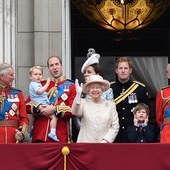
(57, 114)
(36, 110)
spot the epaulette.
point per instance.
(15, 89)
(137, 82)
(112, 82)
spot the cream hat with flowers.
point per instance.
(93, 59)
(96, 79)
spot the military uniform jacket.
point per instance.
(12, 108)
(126, 97)
(163, 113)
(61, 93)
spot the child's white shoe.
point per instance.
(54, 137)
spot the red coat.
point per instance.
(41, 126)
(163, 113)
(13, 110)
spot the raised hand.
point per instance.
(135, 121)
(146, 120)
(48, 80)
(79, 88)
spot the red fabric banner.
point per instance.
(85, 156)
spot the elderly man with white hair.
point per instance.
(13, 117)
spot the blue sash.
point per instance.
(7, 105)
(61, 89)
(167, 112)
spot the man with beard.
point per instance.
(61, 93)
(127, 94)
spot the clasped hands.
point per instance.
(46, 110)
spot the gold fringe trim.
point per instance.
(63, 108)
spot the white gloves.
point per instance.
(79, 89)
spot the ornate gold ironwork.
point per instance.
(121, 15)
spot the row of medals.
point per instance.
(132, 98)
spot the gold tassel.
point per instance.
(65, 151)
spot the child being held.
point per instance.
(141, 131)
(38, 94)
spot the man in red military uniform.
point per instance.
(13, 117)
(61, 93)
(163, 111)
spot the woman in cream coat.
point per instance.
(99, 118)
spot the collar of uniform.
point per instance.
(3, 88)
(62, 78)
(127, 84)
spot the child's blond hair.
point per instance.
(35, 67)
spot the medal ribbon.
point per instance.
(126, 93)
(7, 105)
(60, 91)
